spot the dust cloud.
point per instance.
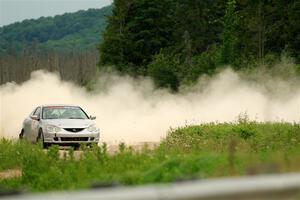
(131, 110)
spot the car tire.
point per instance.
(76, 147)
(40, 138)
(21, 135)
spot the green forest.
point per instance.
(172, 41)
(77, 31)
(176, 41)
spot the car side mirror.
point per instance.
(35, 117)
(92, 117)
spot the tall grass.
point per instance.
(203, 151)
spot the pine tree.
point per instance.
(229, 33)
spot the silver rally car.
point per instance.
(60, 124)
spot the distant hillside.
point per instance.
(68, 32)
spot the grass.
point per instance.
(192, 152)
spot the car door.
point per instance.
(27, 126)
(35, 124)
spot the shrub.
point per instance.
(165, 71)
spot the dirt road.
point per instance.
(10, 173)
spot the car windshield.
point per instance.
(63, 112)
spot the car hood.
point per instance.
(70, 123)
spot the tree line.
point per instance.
(79, 67)
(172, 41)
(175, 41)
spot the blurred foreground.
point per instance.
(266, 187)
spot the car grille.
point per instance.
(74, 138)
(74, 130)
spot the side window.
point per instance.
(37, 111)
(33, 111)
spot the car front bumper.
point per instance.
(66, 137)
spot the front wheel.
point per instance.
(40, 138)
(77, 147)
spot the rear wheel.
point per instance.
(21, 135)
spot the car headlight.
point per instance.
(92, 128)
(52, 129)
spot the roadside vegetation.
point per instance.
(191, 152)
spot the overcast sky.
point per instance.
(17, 10)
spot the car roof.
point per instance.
(49, 105)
